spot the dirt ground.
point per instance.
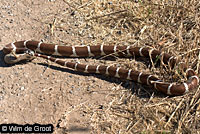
(45, 93)
(33, 93)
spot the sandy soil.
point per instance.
(36, 93)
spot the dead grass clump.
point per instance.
(171, 26)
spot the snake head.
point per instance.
(15, 58)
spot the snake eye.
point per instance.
(30, 52)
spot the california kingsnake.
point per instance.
(19, 49)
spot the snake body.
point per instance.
(40, 49)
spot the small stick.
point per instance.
(172, 115)
(106, 15)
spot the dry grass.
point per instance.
(170, 26)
